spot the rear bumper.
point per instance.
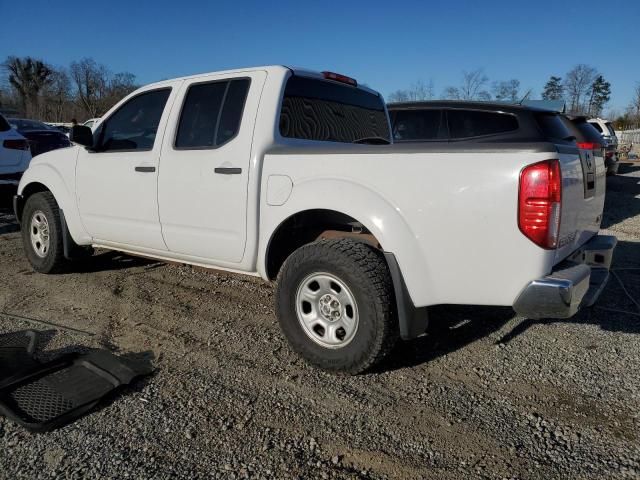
(575, 283)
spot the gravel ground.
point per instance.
(486, 394)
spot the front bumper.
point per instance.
(575, 283)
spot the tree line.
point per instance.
(85, 89)
(583, 89)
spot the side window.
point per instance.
(476, 123)
(133, 126)
(4, 125)
(211, 114)
(553, 126)
(414, 125)
(597, 126)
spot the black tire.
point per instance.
(53, 260)
(365, 273)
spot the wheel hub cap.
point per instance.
(327, 310)
(39, 232)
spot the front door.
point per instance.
(204, 169)
(117, 184)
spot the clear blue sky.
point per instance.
(387, 45)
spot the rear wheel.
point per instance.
(42, 233)
(334, 302)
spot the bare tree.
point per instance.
(634, 106)
(451, 93)
(57, 97)
(473, 83)
(416, 92)
(28, 76)
(91, 81)
(507, 90)
(577, 83)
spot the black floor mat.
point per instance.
(16, 352)
(44, 396)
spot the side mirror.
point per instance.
(81, 135)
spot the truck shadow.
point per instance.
(453, 327)
(626, 201)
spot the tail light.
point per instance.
(609, 154)
(589, 145)
(540, 203)
(337, 77)
(16, 144)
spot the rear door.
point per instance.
(583, 184)
(205, 166)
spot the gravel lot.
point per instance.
(486, 394)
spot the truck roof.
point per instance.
(268, 68)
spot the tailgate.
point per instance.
(583, 190)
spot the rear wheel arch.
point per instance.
(307, 226)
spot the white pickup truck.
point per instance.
(290, 175)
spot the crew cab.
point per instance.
(291, 175)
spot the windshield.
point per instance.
(315, 109)
(23, 125)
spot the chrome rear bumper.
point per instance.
(575, 283)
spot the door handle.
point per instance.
(145, 169)
(228, 170)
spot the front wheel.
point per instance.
(334, 304)
(42, 233)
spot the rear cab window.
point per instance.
(477, 123)
(329, 111)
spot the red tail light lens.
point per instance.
(589, 145)
(337, 77)
(16, 144)
(540, 203)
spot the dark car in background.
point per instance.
(591, 139)
(41, 137)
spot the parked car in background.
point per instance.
(14, 154)
(289, 175)
(42, 137)
(63, 127)
(591, 139)
(92, 123)
(605, 128)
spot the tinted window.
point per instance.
(612, 132)
(588, 133)
(474, 123)
(597, 127)
(314, 109)
(425, 124)
(23, 125)
(552, 126)
(211, 114)
(232, 110)
(135, 124)
(4, 125)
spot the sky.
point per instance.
(387, 45)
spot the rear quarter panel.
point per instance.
(450, 218)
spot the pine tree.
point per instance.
(600, 95)
(553, 89)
